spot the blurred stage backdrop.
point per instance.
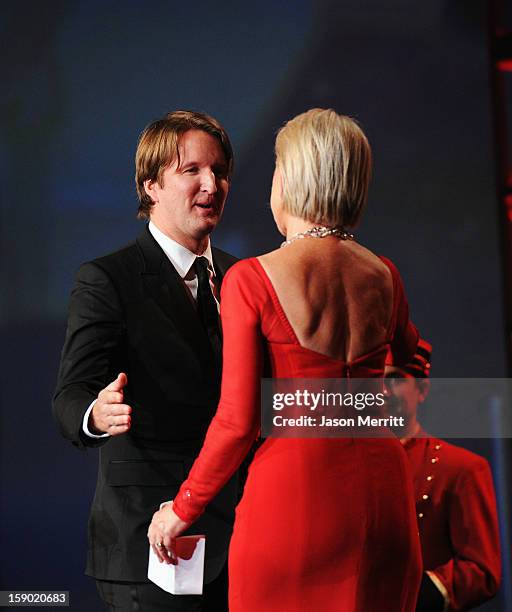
(82, 78)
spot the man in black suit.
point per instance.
(141, 364)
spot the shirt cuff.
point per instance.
(85, 424)
(441, 588)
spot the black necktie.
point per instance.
(207, 307)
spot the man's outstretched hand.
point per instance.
(109, 414)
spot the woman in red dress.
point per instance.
(324, 524)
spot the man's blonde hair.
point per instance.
(158, 147)
(325, 163)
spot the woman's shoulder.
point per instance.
(245, 283)
(243, 268)
(253, 267)
(369, 259)
(395, 274)
(271, 256)
(389, 264)
(246, 274)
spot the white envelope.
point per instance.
(185, 578)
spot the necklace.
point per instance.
(320, 231)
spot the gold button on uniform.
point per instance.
(435, 459)
(424, 496)
(420, 515)
(429, 478)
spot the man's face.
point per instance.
(189, 203)
(405, 393)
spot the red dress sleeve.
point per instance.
(402, 332)
(237, 421)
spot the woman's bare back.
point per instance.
(336, 295)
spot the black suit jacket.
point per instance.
(130, 312)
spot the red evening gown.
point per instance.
(324, 524)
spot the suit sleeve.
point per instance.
(403, 333)
(472, 575)
(89, 357)
(237, 421)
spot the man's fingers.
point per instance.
(111, 397)
(115, 385)
(104, 412)
(120, 409)
(110, 409)
(123, 419)
(110, 414)
(115, 430)
(113, 419)
(118, 383)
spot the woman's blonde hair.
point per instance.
(325, 163)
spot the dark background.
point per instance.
(81, 79)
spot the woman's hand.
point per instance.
(165, 527)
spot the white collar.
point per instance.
(180, 257)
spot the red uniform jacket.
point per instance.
(457, 520)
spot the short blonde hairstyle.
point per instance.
(325, 162)
(159, 146)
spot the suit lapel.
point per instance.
(169, 291)
(221, 262)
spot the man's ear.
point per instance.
(150, 189)
(424, 387)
